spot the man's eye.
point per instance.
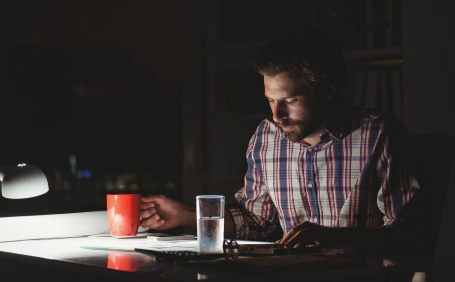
(291, 101)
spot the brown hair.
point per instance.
(315, 60)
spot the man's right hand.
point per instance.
(162, 213)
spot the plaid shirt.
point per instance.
(357, 175)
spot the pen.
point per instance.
(107, 249)
(171, 238)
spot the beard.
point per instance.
(310, 123)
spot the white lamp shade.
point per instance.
(24, 181)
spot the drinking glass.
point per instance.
(210, 223)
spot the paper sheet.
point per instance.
(107, 242)
(189, 245)
(49, 248)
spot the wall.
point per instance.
(150, 29)
(429, 71)
(99, 80)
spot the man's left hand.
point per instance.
(304, 234)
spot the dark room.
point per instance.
(318, 133)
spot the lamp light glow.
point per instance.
(24, 181)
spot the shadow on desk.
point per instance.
(328, 265)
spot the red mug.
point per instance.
(123, 212)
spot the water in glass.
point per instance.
(210, 234)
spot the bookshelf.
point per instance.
(368, 31)
(374, 73)
(376, 83)
(235, 102)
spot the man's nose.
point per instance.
(279, 111)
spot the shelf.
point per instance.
(373, 53)
(238, 47)
(238, 117)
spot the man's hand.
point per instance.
(308, 233)
(302, 235)
(163, 213)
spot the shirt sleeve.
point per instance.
(253, 210)
(398, 196)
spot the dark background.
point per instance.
(157, 97)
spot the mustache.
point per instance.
(286, 122)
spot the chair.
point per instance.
(433, 170)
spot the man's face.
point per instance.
(297, 110)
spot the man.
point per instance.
(327, 173)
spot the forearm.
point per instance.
(188, 216)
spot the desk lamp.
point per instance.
(23, 181)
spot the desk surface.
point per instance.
(59, 259)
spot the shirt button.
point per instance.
(315, 219)
(310, 149)
(310, 185)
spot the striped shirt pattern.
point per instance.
(355, 176)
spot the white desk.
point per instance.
(65, 260)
